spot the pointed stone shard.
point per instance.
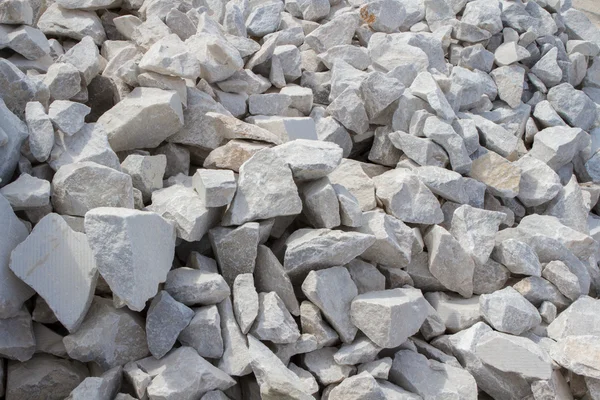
(361, 386)
(270, 276)
(500, 175)
(204, 332)
(579, 354)
(108, 336)
(323, 366)
(235, 249)
(274, 322)
(196, 287)
(17, 337)
(475, 230)
(245, 301)
(165, 320)
(389, 317)
(580, 318)
(508, 311)
(236, 356)
(41, 131)
(320, 203)
(170, 56)
(132, 268)
(312, 323)
(59, 264)
(99, 388)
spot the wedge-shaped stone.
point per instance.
(73, 195)
(266, 189)
(74, 24)
(580, 318)
(41, 131)
(310, 159)
(508, 311)
(132, 268)
(500, 175)
(475, 230)
(14, 132)
(557, 273)
(514, 354)
(196, 287)
(423, 151)
(146, 172)
(557, 146)
(449, 262)
(235, 249)
(27, 192)
(236, 357)
(108, 336)
(361, 386)
(518, 257)
(351, 175)
(270, 276)
(455, 312)
(452, 186)
(431, 379)
(218, 58)
(538, 290)
(443, 134)
(98, 388)
(389, 317)
(13, 291)
(52, 254)
(338, 31)
(539, 183)
(17, 337)
(573, 105)
(405, 197)
(245, 301)
(165, 320)
(220, 128)
(332, 290)
(215, 187)
(579, 354)
(362, 349)
(320, 203)
(274, 322)
(170, 56)
(314, 249)
(204, 332)
(323, 366)
(145, 118)
(312, 323)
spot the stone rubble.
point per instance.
(299, 199)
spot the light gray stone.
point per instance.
(170, 56)
(146, 172)
(366, 276)
(312, 323)
(27, 192)
(320, 204)
(41, 131)
(245, 301)
(489, 277)
(68, 116)
(361, 386)
(538, 184)
(351, 175)
(360, 350)
(323, 366)
(98, 388)
(578, 354)
(196, 287)
(423, 151)
(475, 230)
(518, 257)
(557, 273)
(274, 322)
(235, 249)
(509, 80)
(270, 276)
(310, 159)
(18, 340)
(452, 186)
(338, 31)
(537, 290)
(456, 313)
(349, 109)
(165, 320)
(236, 357)
(203, 333)
(573, 105)
(215, 187)
(508, 311)
(579, 318)
(73, 24)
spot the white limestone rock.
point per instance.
(68, 116)
(132, 268)
(452, 186)
(18, 340)
(310, 159)
(218, 58)
(63, 81)
(245, 301)
(320, 204)
(215, 187)
(170, 56)
(203, 333)
(538, 184)
(323, 366)
(27, 192)
(41, 131)
(60, 255)
(457, 313)
(274, 322)
(475, 230)
(74, 24)
(235, 249)
(196, 287)
(518, 257)
(508, 311)
(578, 354)
(236, 357)
(146, 172)
(578, 319)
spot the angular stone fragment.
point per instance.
(320, 204)
(17, 90)
(349, 109)
(74, 24)
(405, 197)
(579, 318)
(313, 249)
(508, 311)
(145, 118)
(361, 386)
(475, 230)
(245, 301)
(578, 354)
(44, 377)
(270, 276)
(146, 172)
(489, 277)
(321, 287)
(360, 350)
(41, 131)
(85, 57)
(518, 257)
(456, 312)
(323, 366)
(218, 58)
(235, 249)
(574, 106)
(275, 195)
(500, 175)
(547, 69)
(337, 31)
(236, 356)
(431, 379)
(98, 388)
(27, 192)
(16, 12)
(537, 290)
(18, 340)
(274, 322)
(389, 317)
(443, 134)
(421, 150)
(170, 56)
(215, 187)
(538, 184)
(68, 116)
(449, 262)
(351, 175)
(509, 80)
(195, 287)
(165, 320)
(59, 252)
(366, 276)
(108, 336)
(452, 186)
(132, 269)
(310, 159)
(203, 333)
(557, 273)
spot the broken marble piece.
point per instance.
(323, 366)
(146, 172)
(574, 106)
(27, 192)
(456, 313)
(310, 159)
(538, 184)
(500, 175)
(18, 340)
(273, 321)
(235, 249)
(203, 332)
(195, 287)
(170, 56)
(245, 301)
(366, 276)
(444, 135)
(63, 81)
(452, 186)
(578, 354)
(557, 146)
(578, 319)
(132, 269)
(518, 257)
(236, 356)
(68, 116)
(41, 131)
(270, 276)
(557, 273)
(98, 388)
(361, 386)
(215, 187)
(508, 311)
(56, 250)
(360, 350)
(475, 230)
(74, 24)
(400, 311)
(165, 320)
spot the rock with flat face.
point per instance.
(312, 323)
(14, 132)
(320, 203)
(310, 159)
(218, 58)
(146, 172)
(108, 336)
(538, 184)
(456, 313)
(145, 118)
(44, 377)
(68, 116)
(18, 341)
(442, 133)
(270, 276)
(360, 350)
(203, 333)
(431, 379)
(165, 320)
(557, 146)
(574, 106)
(361, 386)
(27, 192)
(314, 249)
(475, 230)
(236, 358)
(41, 131)
(99, 388)
(55, 254)
(449, 262)
(74, 24)
(579, 319)
(323, 366)
(389, 317)
(265, 189)
(332, 290)
(170, 56)
(557, 273)
(132, 268)
(578, 354)
(13, 291)
(235, 249)
(452, 186)
(274, 322)
(518, 257)
(196, 287)
(215, 187)
(508, 311)
(500, 175)
(73, 195)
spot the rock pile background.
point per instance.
(330, 199)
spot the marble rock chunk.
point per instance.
(539, 183)
(170, 56)
(18, 340)
(338, 31)
(273, 377)
(98, 388)
(557, 273)
(379, 369)
(389, 317)
(215, 187)
(58, 254)
(312, 323)
(500, 175)
(578, 319)
(514, 354)
(323, 366)
(16, 12)
(361, 386)
(143, 119)
(270, 276)
(203, 333)
(366, 276)
(195, 287)
(574, 106)
(449, 262)
(12, 134)
(44, 375)
(444, 135)
(457, 313)
(350, 211)
(393, 241)
(310, 383)
(578, 354)
(219, 59)
(132, 268)
(537, 290)
(41, 131)
(310, 159)
(548, 312)
(274, 322)
(508, 311)
(360, 350)
(17, 90)
(108, 336)
(146, 172)
(430, 378)
(475, 230)
(510, 53)
(63, 81)
(74, 24)
(349, 110)
(423, 151)
(183, 207)
(405, 197)
(320, 204)
(452, 186)
(322, 287)
(165, 320)
(27, 192)
(509, 80)
(72, 194)
(13, 291)
(547, 69)
(245, 301)
(313, 249)
(489, 277)
(351, 175)
(68, 116)
(236, 356)
(85, 57)
(235, 249)
(265, 189)
(518, 257)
